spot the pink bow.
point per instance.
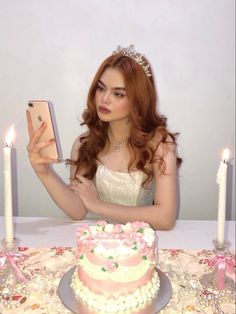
(223, 263)
(12, 258)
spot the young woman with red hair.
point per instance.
(124, 168)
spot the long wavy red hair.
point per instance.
(146, 122)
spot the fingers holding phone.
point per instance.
(43, 147)
(35, 135)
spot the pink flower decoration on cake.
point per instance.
(111, 266)
(139, 224)
(101, 223)
(117, 228)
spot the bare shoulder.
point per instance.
(76, 145)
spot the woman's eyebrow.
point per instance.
(100, 82)
(119, 88)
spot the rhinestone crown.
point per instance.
(138, 57)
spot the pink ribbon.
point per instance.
(223, 263)
(12, 258)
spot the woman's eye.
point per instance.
(119, 95)
(99, 87)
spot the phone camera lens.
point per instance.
(30, 104)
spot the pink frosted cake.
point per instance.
(116, 269)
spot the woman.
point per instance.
(124, 168)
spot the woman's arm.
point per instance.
(161, 215)
(68, 201)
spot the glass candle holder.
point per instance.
(224, 264)
(14, 283)
(8, 246)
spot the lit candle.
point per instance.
(8, 187)
(222, 181)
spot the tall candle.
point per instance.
(8, 187)
(222, 181)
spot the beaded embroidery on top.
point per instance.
(136, 56)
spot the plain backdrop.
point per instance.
(51, 49)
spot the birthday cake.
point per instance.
(116, 267)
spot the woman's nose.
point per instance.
(106, 97)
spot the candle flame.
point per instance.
(10, 136)
(226, 154)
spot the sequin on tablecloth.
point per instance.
(46, 266)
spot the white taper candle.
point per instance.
(8, 188)
(222, 181)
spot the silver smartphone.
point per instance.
(43, 111)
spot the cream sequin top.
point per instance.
(122, 188)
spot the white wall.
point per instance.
(50, 49)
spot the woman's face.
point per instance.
(110, 98)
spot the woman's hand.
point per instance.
(87, 192)
(39, 163)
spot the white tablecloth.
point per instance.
(48, 232)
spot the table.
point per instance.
(48, 232)
(184, 254)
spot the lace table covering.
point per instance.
(46, 266)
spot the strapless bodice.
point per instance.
(122, 188)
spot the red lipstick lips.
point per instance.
(103, 110)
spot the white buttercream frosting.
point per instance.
(123, 274)
(119, 303)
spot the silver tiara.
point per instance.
(138, 57)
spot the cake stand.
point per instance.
(67, 296)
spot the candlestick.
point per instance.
(222, 181)
(8, 189)
(223, 269)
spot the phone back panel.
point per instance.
(42, 111)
